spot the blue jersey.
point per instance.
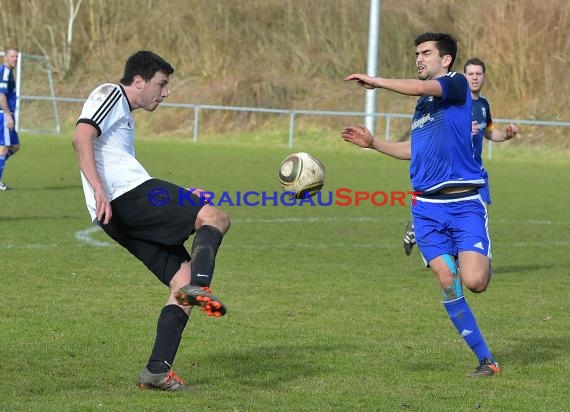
(442, 147)
(8, 86)
(480, 113)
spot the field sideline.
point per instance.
(325, 312)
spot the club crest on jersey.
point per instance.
(418, 124)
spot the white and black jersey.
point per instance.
(108, 110)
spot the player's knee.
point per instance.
(215, 217)
(477, 288)
(224, 220)
(477, 283)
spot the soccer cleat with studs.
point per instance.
(191, 295)
(409, 238)
(167, 381)
(487, 367)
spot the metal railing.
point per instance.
(198, 108)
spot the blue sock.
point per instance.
(2, 164)
(460, 314)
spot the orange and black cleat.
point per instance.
(486, 367)
(167, 381)
(202, 296)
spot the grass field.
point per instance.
(325, 310)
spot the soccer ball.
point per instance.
(301, 174)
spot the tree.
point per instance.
(58, 45)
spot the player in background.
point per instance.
(449, 216)
(134, 209)
(9, 141)
(482, 127)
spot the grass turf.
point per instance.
(325, 310)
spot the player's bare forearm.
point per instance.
(85, 155)
(83, 146)
(409, 87)
(8, 115)
(500, 136)
(361, 136)
(4, 103)
(398, 150)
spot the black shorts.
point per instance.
(152, 222)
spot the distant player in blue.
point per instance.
(474, 70)
(9, 142)
(449, 216)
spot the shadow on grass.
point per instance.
(536, 350)
(50, 188)
(272, 366)
(513, 269)
(23, 218)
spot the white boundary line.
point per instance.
(84, 236)
(382, 219)
(29, 246)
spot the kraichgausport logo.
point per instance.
(340, 197)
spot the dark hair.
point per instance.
(474, 61)
(444, 42)
(145, 64)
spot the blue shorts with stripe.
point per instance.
(484, 191)
(8, 137)
(451, 224)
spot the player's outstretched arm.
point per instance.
(361, 136)
(408, 87)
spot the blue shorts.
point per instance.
(484, 191)
(7, 137)
(450, 226)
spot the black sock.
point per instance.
(204, 249)
(170, 326)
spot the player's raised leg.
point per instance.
(211, 225)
